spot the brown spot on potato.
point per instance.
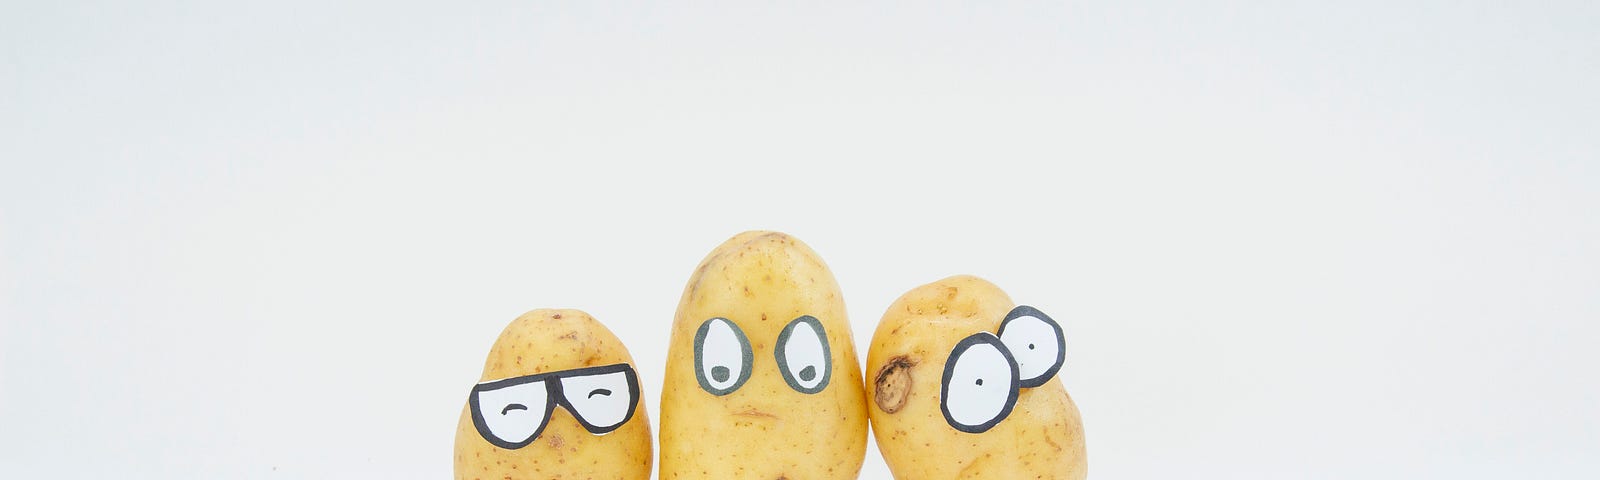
(893, 384)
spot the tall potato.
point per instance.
(964, 386)
(761, 375)
(559, 398)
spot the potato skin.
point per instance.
(1042, 437)
(765, 429)
(551, 340)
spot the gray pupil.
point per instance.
(720, 374)
(808, 373)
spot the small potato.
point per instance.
(964, 386)
(559, 398)
(761, 375)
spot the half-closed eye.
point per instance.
(601, 398)
(510, 413)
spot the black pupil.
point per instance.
(1030, 346)
(980, 381)
(808, 373)
(720, 374)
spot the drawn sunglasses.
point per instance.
(510, 413)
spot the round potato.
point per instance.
(963, 386)
(558, 398)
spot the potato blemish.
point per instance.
(893, 384)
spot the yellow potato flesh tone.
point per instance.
(765, 429)
(1041, 438)
(545, 341)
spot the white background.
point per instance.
(1286, 239)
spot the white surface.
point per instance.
(1285, 239)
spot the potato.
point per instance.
(761, 375)
(564, 364)
(971, 428)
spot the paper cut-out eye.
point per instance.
(803, 355)
(1036, 341)
(980, 384)
(510, 413)
(601, 399)
(721, 356)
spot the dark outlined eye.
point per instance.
(1036, 341)
(601, 398)
(980, 384)
(722, 356)
(803, 355)
(510, 413)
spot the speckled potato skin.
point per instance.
(765, 429)
(1043, 436)
(551, 340)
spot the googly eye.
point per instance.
(980, 385)
(721, 356)
(803, 355)
(510, 413)
(1036, 341)
(601, 398)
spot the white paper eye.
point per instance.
(600, 398)
(721, 356)
(980, 384)
(510, 413)
(1037, 343)
(803, 355)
